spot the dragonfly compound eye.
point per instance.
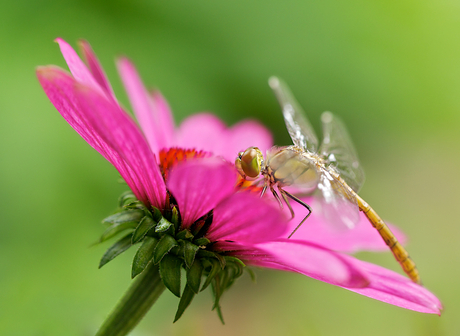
(251, 161)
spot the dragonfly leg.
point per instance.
(275, 194)
(287, 202)
(285, 193)
(263, 191)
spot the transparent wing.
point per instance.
(338, 151)
(338, 205)
(297, 124)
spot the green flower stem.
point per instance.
(136, 302)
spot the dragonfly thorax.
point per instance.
(287, 166)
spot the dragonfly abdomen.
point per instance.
(399, 252)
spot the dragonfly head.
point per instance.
(249, 162)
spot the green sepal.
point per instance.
(127, 198)
(143, 256)
(163, 225)
(215, 269)
(222, 281)
(190, 250)
(209, 254)
(238, 269)
(236, 264)
(252, 274)
(116, 249)
(187, 297)
(217, 293)
(202, 241)
(175, 217)
(137, 206)
(156, 214)
(194, 274)
(235, 260)
(141, 230)
(184, 234)
(230, 274)
(170, 268)
(130, 215)
(115, 229)
(221, 259)
(217, 289)
(165, 245)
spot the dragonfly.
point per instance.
(332, 168)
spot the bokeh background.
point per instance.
(389, 69)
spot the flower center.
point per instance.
(171, 157)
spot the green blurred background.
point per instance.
(389, 69)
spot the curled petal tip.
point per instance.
(82, 41)
(49, 72)
(83, 45)
(124, 65)
(42, 69)
(123, 60)
(274, 82)
(60, 41)
(438, 307)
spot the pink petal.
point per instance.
(205, 131)
(124, 135)
(358, 276)
(58, 85)
(202, 131)
(395, 289)
(107, 129)
(78, 69)
(309, 259)
(165, 117)
(199, 185)
(245, 134)
(145, 109)
(95, 67)
(246, 218)
(363, 237)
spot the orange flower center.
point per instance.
(171, 157)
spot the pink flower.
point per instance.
(86, 100)
(235, 223)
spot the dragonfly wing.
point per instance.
(338, 151)
(297, 124)
(338, 205)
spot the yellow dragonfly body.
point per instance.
(333, 169)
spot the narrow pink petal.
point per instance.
(199, 185)
(95, 67)
(77, 67)
(363, 237)
(58, 86)
(395, 289)
(203, 131)
(144, 107)
(106, 127)
(245, 134)
(246, 218)
(124, 135)
(165, 118)
(358, 276)
(309, 259)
